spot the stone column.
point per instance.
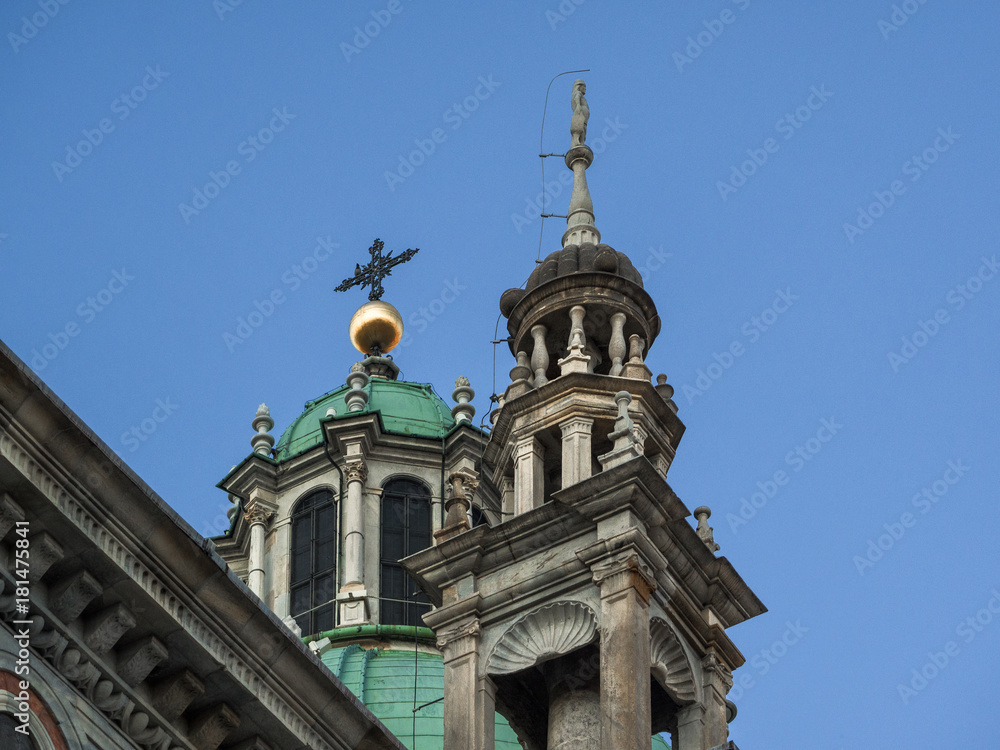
(616, 347)
(353, 612)
(539, 355)
(469, 700)
(576, 450)
(258, 516)
(626, 585)
(717, 680)
(529, 475)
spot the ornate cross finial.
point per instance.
(372, 273)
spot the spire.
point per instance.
(580, 226)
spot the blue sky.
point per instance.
(812, 186)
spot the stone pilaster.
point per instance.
(626, 585)
(469, 699)
(529, 475)
(576, 450)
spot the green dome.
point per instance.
(391, 683)
(405, 408)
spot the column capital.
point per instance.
(451, 637)
(621, 572)
(356, 470)
(715, 671)
(257, 512)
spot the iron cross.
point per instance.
(372, 273)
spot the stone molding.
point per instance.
(549, 631)
(199, 629)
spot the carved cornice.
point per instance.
(203, 632)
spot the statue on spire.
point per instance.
(581, 114)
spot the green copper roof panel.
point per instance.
(386, 681)
(405, 408)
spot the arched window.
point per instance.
(406, 529)
(10, 738)
(314, 562)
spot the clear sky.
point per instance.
(810, 189)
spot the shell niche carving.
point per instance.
(671, 666)
(542, 634)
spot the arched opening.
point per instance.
(406, 529)
(314, 562)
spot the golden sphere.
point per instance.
(376, 324)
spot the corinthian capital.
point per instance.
(458, 632)
(357, 470)
(256, 512)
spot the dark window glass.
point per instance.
(406, 529)
(10, 738)
(314, 562)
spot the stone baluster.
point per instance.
(463, 485)
(575, 360)
(263, 441)
(636, 368)
(616, 347)
(357, 397)
(520, 377)
(539, 355)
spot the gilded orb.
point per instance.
(376, 326)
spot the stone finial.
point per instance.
(462, 487)
(357, 397)
(666, 391)
(580, 226)
(263, 441)
(463, 411)
(702, 513)
(331, 412)
(627, 442)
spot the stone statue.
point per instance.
(581, 113)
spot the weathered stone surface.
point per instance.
(137, 660)
(69, 598)
(172, 696)
(105, 628)
(211, 727)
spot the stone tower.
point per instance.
(595, 614)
